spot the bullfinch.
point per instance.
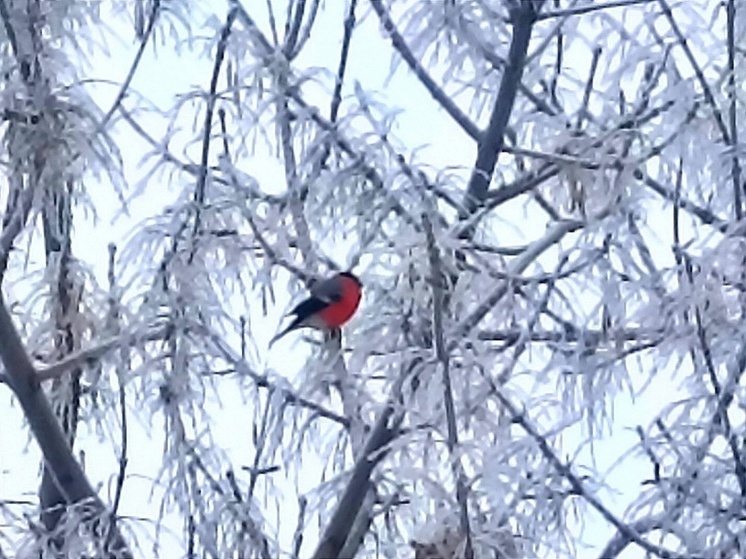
(333, 301)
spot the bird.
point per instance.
(332, 303)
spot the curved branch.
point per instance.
(133, 68)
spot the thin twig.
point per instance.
(292, 27)
(262, 381)
(703, 214)
(349, 26)
(133, 68)
(585, 9)
(435, 91)
(259, 441)
(199, 194)
(436, 281)
(298, 536)
(306, 28)
(709, 97)
(588, 88)
(123, 460)
(732, 109)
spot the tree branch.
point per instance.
(492, 140)
(133, 67)
(577, 484)
(439, 301)
(385, 430)
(436, 92)
(47, 431)
(585, 9)
(91, 354)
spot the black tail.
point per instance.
(294, 325)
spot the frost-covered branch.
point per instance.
(577, 484)
(556, 233)
(580, 10)
(45, 427)
(437, 277)
(92, 354)
(262, 381)
(490, 146)
(435, 91)
(351, 500)
(706, 89)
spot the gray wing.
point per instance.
(328, 290)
